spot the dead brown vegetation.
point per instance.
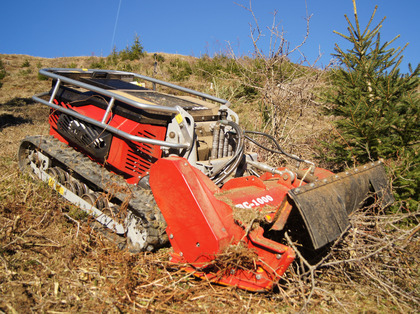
(52, 261)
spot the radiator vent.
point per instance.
(140, 156)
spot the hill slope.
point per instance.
(52, 261)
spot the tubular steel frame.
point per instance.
(54, 73)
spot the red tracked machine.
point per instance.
(153, 167)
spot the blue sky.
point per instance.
(56, 28)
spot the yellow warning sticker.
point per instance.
(178, 118)
(55, 186)
(139, 84)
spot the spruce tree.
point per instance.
(378, 107)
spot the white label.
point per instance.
(256, 202)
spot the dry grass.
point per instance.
(52, 261)
(375, 262)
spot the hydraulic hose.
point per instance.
(233, 162)
(279, 149)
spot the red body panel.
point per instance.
(132, 159)
(254, 193)
(200, 226)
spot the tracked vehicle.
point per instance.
(151, 167)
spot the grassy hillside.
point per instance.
(51, 261)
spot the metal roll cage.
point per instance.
(58, 74)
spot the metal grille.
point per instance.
(140, 155)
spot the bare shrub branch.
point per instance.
(372, 255)
(287, 90)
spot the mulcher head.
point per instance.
(204, 229)
(201, 228)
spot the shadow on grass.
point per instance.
(17, 102)
(15, 106)
(7, 120)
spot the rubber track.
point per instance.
(140, 201)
